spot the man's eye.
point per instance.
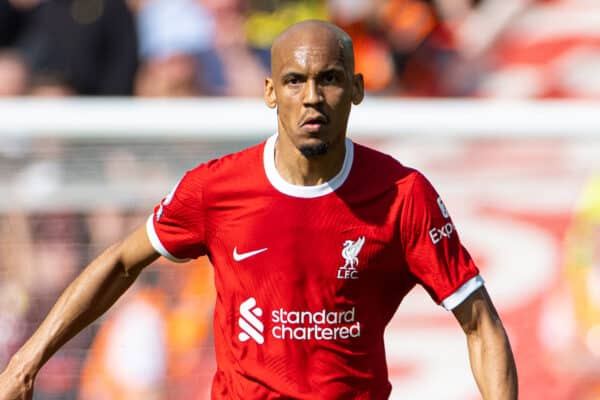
(329, 78)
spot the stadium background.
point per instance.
(105, 104)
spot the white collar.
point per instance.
(305, 191)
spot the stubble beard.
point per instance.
(314, 150)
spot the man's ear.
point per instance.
(269, 93)
(358, 89)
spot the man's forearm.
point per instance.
(85, 299)
(490, 354)
(492, 362)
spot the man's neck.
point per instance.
(297, 169)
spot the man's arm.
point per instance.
(490, 354)
(99, 285)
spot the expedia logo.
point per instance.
(437, 234)
(251, 326)
(443, 208)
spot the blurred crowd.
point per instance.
(67, 202)
(498, 48)
(154, 344)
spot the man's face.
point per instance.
(312, 87)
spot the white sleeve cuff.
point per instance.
(461, 294)
(155, 241)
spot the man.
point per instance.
(315, 240)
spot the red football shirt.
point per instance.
(307, 277)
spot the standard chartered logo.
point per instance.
(298, 325)
(319, 325)
(252, 327)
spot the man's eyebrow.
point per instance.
(333, 68)
(292, 74)
(297, 74)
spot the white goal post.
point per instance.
(81, 153)
(234, 119)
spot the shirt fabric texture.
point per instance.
(308, 277)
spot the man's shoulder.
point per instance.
(376, 164)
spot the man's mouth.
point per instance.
(314, 123)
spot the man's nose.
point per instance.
(312, 93)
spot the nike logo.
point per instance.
(242, 256)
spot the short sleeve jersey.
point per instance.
(307, 277)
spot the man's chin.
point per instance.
(314, 150)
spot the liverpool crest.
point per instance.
(350, 255)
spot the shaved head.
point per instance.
(309, 30)
(313, 87)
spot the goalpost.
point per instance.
(229, 119)
(68, 152)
